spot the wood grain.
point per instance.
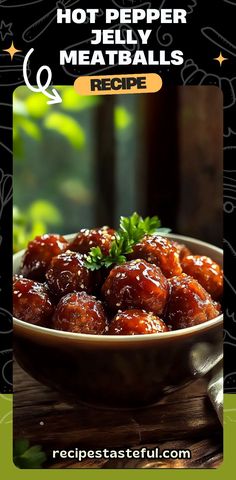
(184, 419)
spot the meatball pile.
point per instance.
(161, 287)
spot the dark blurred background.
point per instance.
(88, 160)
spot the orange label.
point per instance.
(118, 84)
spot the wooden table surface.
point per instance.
(184, 419)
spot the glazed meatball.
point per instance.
(80, 313)
(136, 322)
(31, 302)
(160, 251)
(189, 303)
(97, 237)
(39, 253)
(136, 284)
(67, 273)
(182, 249)
(208, 273)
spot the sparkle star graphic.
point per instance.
(12, 50)
(5, 30)
(220, 59)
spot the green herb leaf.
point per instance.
(28, 457)
(94, 260)
(20, 446)
(132, 229)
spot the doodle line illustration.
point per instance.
(215, 37)
(6, 148)
(231, 315)
(6, 366)
(5, 190)
(164, 39)
(131, 3)
(5, 320)
(191, 6)
(229, 245)
(230, 132)
(39, 26)
(228, 337)
(12, 77)
(16, 4)
(230, 147)
(6, 418)
(5, 30)
(230, 2)
(230, 285)
(230, 382)
(191, 71)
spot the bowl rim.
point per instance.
(89, 338)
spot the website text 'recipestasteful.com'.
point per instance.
(125, 453)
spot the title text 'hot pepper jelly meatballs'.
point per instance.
(80, 313)
(97, 237)
(136, 322)
(67, 273)
(136, 284)
(39, 253)
(189, 303)
(208, 273)
(160, 251)
(31, 302)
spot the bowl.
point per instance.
(120, 371)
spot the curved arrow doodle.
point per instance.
(41, 88)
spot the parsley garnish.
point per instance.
(26, 456)
(131, 231)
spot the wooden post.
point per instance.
(105, 163)
(161, 159)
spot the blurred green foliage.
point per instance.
(32, 115)
(66, 126)
(33, 221)
(122, 118)
(53, 149)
